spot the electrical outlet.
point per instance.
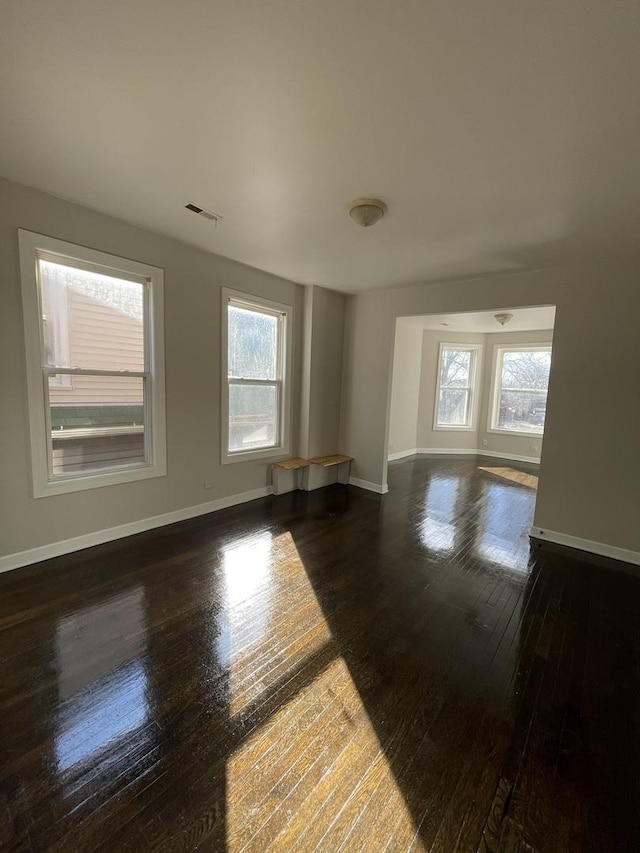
(484, 442)
(209, 484)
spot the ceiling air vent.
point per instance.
(208, 214)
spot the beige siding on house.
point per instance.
(101, 338)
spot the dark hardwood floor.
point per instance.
(333, 671)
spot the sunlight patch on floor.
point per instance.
(314, 766)
(520, 477)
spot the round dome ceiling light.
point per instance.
(503, 318)
(367, 211)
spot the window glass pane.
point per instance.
(253, 344)
(455, 368)
(522, 410)
(452, 408)
(91, 320)
(526, 369)
(97, 423)
(253, 416)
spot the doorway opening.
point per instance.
(473, 384)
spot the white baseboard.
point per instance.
(447, 451)
(87, 540)
(401, 454)
(612, 551)
(462, 451)
(370, 487)
(532, 460)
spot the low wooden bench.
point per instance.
(287, 474)
(298, 473)
(341, 463)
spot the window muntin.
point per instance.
(521, 379)
(455, 397)
(256, 359)
(93, 326)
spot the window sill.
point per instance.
(522, 433)
(97, 480)
(254, 455)
(452, 428)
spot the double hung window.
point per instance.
(456, 387)
(520, 379)
(95, 368)
(256, 377)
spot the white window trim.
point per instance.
(284, 432)
(473, 388)
(30, 246)
(494, 397)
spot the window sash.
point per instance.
(467, 408)
(260, 383)
(147, 425)
(275, 383)
(280, 317)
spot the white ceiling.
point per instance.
(484, 322)
(501, 135)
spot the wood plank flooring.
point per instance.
(333, 671)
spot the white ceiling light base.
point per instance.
(367, 211)
(503, 318)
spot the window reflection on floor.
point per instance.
(102, 681)
(260, 571)
(247, 565)
(327, 704)
(438, 531)
(502, 502)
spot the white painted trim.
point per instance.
(496, 385)
(447, 451)
(370, 487)
(462, 451)
(532, 460)
(401, 454)
(43, 483)
(472, 389)
(98, 537)
(580, 544)
(284, 377)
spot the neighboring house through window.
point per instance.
(95, 365)
(456, 386)
(520, 382)
(256, 377)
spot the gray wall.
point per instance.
(405, 389)
(193, 279)
(323, 346)
(590, 467)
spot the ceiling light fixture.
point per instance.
(367, 211)
(503, 318)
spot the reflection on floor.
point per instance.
(332, 671)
